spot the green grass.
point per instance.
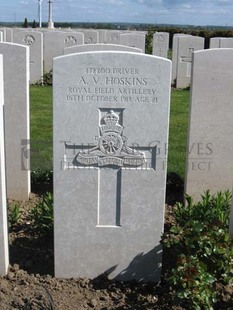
(178, 131)
(41, 129)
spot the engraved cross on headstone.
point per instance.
(109, 157)
(187, 59)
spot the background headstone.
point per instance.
(16, 118)
(9, 34)
(111, 112)
(133, 40)
(209, 160)
(113, 37)
(3, 34)
(215, 42)
(91, 36)
(4, 252)
(99, 47)
(102, 35)
(175, 55)
(34, 40)
(186, 46)
(226, 43)
(56, 41)
(160, 44)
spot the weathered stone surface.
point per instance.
(99, 47)
(9, 34)
(175, 55)
(215, 42)
(4, 255)
(102, 35)
(16, 112)
(226, 43)
(113, 36)
(133, 40)
(111, 112)
(186, 46)
(209, 160)
(3, 34)
(91, 36)
(34, 40)
(56, 41)
(160, 44)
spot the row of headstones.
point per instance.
(45, 45)
(109, 171)
(57, 43)
(183, 46)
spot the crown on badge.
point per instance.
(111, 118)
(111, 123)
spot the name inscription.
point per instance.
(113, 85)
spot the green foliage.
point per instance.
(13, 214)
(48, 78)
(149, 42)
(42, 215)
(25, 24)
(34, 24)
(42, 176)
(202, 249)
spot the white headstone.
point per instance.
(1, 37)
(160, 44)
(111, 112)
(209, 160)
(16, 113)
(55, 42)
(113, 37)
(220, 42)
(4, 252)
(91, 36)
(9, 34)
(99, 47)
(34, 40)
(175, 55)
(133, 40)
(102, 35)
(3, 34)
(215, 42)
(186, 46)
(226, 43)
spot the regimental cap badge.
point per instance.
(112, 147)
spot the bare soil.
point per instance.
(30, 282)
